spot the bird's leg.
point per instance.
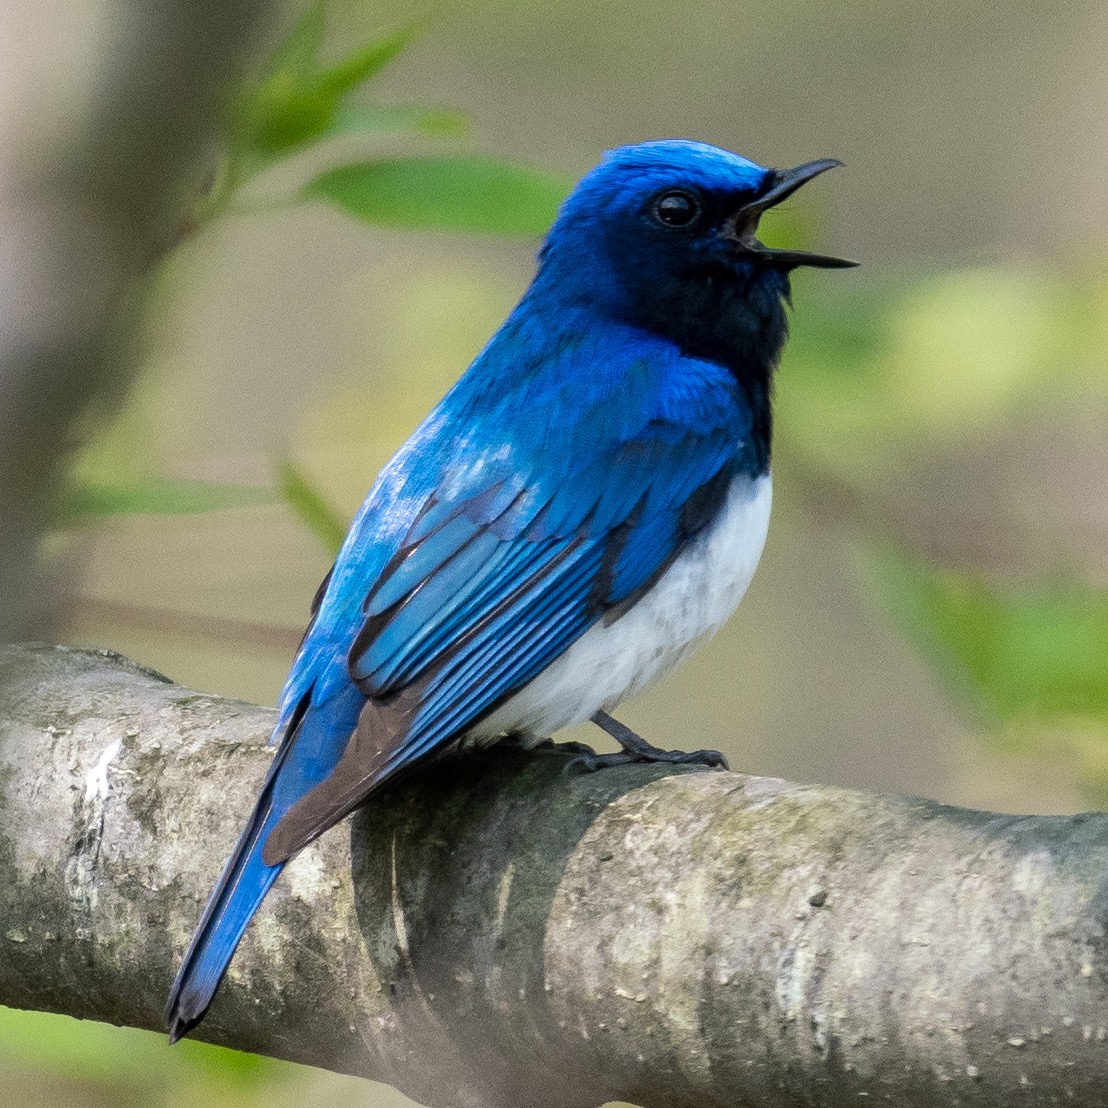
(637, 749)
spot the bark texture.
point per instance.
(495, 932)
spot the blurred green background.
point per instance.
(931, 613)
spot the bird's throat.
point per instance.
(739, 325)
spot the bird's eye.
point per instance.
(676, 209)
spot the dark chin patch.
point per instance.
(732, 314)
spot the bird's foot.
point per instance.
(637, 750)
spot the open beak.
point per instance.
(783, 183)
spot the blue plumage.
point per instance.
(581, 492)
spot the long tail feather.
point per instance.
(240, 891)
(316, 737)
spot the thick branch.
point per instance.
(517, 936)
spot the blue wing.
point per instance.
(489, 587)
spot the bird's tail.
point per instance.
(314, 742)
(244, 883)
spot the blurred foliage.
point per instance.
(467, 192)
(1017, 655)
(1028, 664)
(294, 100)
(925, 361)
(296, 104)
(311, 506)
(929, 364)
(118, 1061)
(145, 495)
(53, 1060)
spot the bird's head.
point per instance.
(664, 235)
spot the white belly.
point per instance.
(689, 603)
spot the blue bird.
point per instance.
(583, 507)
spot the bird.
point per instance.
(584, 506)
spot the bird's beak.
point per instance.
(783, 183)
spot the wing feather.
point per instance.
(474, 575)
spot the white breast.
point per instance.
(689, 603)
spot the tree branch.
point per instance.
(513, 935)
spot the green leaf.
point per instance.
(154, 496)
(282, 120)
(462, 192)
(296, 56)
(439, 122)
(294, 103)
(365, 63)
(310, 505)
(1039, 652)
(280, 109)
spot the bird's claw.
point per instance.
(589, 761)
(637, 750)
(711, 758)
